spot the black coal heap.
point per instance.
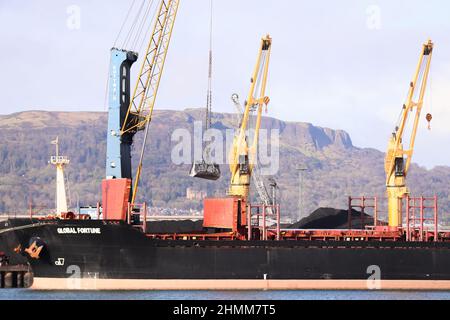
(330, 218)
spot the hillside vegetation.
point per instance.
(336, 168)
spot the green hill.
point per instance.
(336, 168)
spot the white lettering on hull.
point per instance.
(71, 230)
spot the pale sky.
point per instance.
(340, 64)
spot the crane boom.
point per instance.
(242, 157)
(396, 166)
(256, 174)
(142, 103)
(146, 89)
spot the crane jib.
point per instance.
(398, 160)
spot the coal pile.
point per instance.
(169, 227)
(329, 218)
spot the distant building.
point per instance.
(192, 194)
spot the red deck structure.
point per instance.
(418, 215)
(262, 222)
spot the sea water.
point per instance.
(26, 294)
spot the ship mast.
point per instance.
(60, 162)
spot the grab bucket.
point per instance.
(207, 171)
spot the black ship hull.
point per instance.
(99, 252)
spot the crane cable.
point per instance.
(124, 22)
(145, 37)
(144, 19)
(208, 111)
(130, 9)
(429, 115)
(133, 25)
(133, 32)
(208, 121)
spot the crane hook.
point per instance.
(266, 102)
(429, 118)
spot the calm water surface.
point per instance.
(21, 294)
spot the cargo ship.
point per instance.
(114, 254)
(239, 245)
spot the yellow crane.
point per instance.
(142, 102)
(398, 160)
(243, 157)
